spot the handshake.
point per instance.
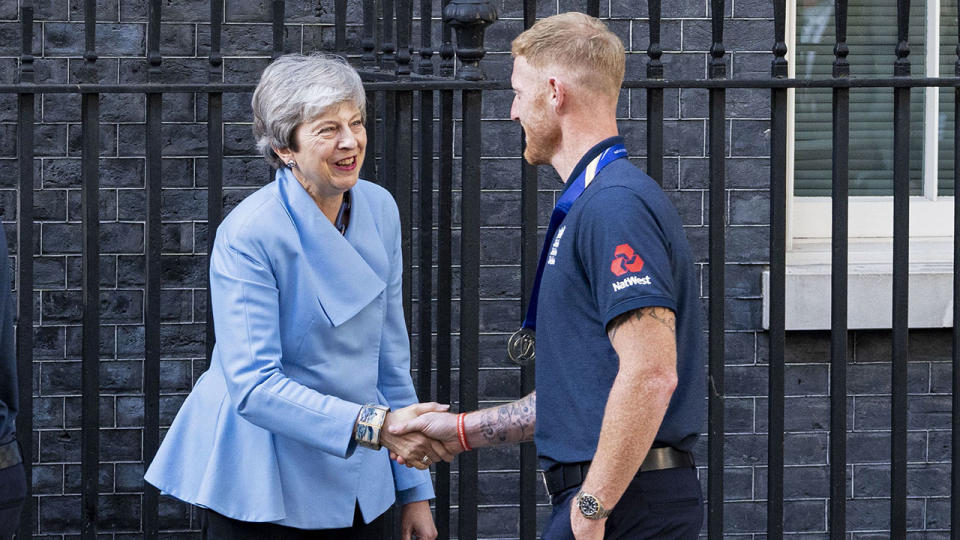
(421, 434)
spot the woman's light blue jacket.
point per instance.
(309, 327)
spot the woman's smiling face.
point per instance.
(330, 150)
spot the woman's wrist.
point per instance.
(388, 439)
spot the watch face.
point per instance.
(588, 505)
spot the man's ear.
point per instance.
(558, 92)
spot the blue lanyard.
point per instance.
(560, 211)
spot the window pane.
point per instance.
(948, 58)
(872, 40)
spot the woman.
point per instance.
(281, 437)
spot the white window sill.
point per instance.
(870, 285)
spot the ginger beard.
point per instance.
(541, 134)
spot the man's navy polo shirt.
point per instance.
(620, 248)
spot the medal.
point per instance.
(521, 348)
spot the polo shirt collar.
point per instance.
(588, 157)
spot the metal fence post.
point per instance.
(717, 149)
(654, 96)
(838, 311)
(444, 269)
(901, 275)
(90, 376)
(469, 18)
(778, 239)
(25, 120)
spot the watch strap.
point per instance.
(601, 512)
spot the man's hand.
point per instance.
(410, 448)
(583, 528)
(509, 423)
(439, 426)
(417, 521)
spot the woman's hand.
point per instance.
(416, 520)
(411, 448)
(439, 426)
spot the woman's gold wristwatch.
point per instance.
(367, 430)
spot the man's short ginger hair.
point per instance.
(576, 42)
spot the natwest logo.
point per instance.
(625, 260)
(630, 281)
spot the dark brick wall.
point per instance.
(807, 422)
(121, 43)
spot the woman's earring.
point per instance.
(292, 164)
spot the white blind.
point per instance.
(872, 40)
(948, 57)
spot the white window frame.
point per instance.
(809, 222)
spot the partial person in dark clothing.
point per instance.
(13, 482)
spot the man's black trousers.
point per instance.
(660, 504)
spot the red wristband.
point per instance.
(462, 433)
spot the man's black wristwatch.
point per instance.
(590, 506)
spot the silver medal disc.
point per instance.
(521, 348)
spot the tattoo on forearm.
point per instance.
(513, 422)
(662, 315)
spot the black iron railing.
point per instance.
(392, 86)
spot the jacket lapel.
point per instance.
(364, 233)
(345, 281)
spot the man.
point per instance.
(619, 369)
(13, 483)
